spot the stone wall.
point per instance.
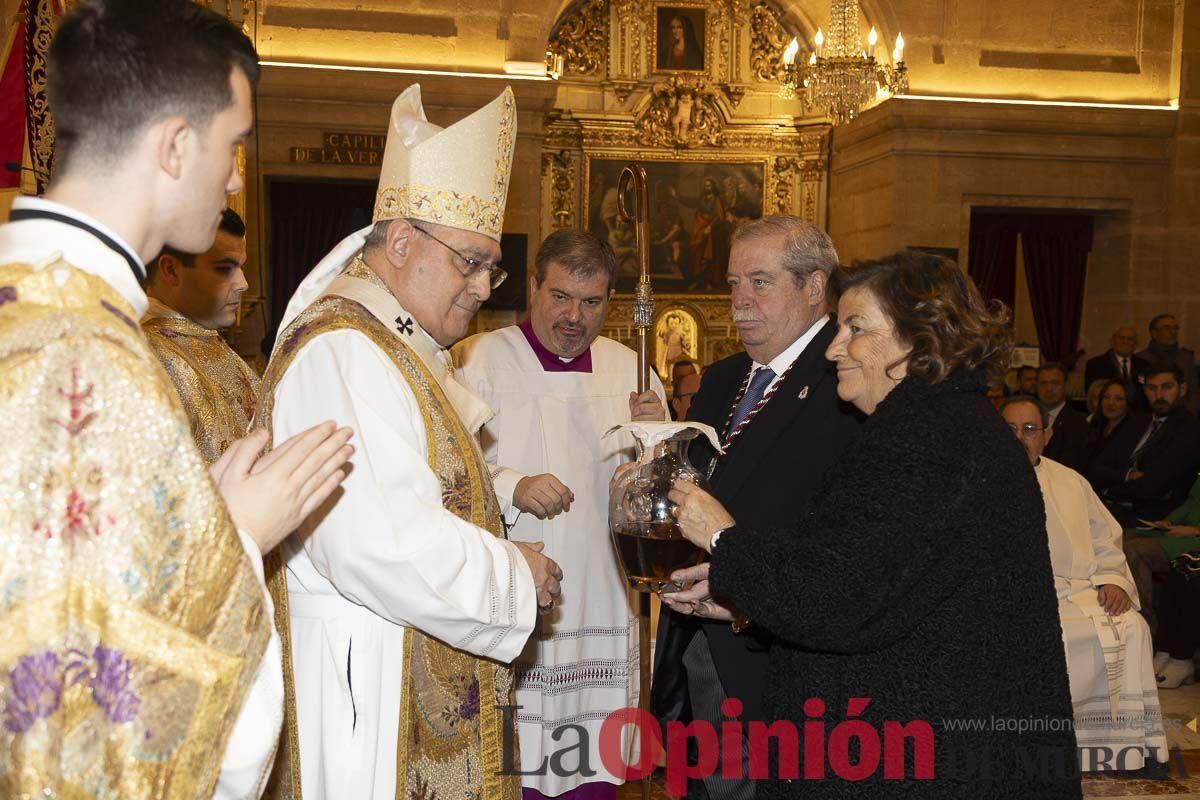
(908, 172)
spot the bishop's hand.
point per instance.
(269, 496)
(546, 573)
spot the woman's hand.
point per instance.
(700, 515)
(696, 600)
(1183, 530)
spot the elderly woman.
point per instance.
(920, 580)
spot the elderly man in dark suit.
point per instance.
(782, 425)
(1117, 362)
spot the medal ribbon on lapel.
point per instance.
(730, 435)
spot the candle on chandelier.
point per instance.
(872, 40)
(789, 54)
(820, 41)
(898, 53)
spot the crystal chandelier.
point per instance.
(840, 77)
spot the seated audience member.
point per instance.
(1151, 547)
(1118, 362)
(1164, 350)
(1112, 411)
(1027, 381)
(1113, 690)
(681, 395)
(1150, 464)
(1093, 398)
(996, 393)
(1068, 446)
(682, 367)
(1178, 633)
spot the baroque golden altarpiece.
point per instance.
(614, 105)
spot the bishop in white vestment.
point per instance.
(405, 603)
(1109, 656)
(557, 387)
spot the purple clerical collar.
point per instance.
(550, 362)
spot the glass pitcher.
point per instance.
(642, 519)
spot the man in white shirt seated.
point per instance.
(1118, 721)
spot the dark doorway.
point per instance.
(1055, 247)
(308, 216)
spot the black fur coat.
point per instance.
(919, 579)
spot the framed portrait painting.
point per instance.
(679, 39)
(694, 209)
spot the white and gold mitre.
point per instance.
(457, 176)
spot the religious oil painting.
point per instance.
(679, 37)
(676, 337)
(694, 209)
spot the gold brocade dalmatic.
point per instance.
(450, 729)
(218, 389)
(132, 621)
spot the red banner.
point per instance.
(12, 100)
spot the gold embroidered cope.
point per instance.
(218, 389)
(133, 621)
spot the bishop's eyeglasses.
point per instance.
(496, 275)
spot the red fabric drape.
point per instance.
(992, 261)
(1056, 250)
(12, 100)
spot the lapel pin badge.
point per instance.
(803, 393)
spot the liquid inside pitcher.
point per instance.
(642, 518)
